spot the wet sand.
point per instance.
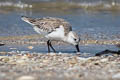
(38, 66)
(23, 65)
(39, 39)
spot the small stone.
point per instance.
(29, 55)
(104, 60)
(26, 78)
(45, 61)
(82, 58)
(24, 57)
(116, 76)
(21, 61)
(3, 53)
(30, 47)
(96, 63)
(73, 61)
(52, 54)
(5, 59)
(13, 48)
(2, 74)
(49, 74)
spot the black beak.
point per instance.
(77, 47)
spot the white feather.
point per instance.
(58, 34)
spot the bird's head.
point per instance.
(73, 39)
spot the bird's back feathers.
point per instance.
(48, 24)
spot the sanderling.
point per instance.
(54, 29)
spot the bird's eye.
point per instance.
(75, 39)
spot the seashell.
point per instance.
(26, 78)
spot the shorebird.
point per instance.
(54, 29)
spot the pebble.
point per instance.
(21, 61)
(4, 59)
(44, 66)
(26, 78)
(116, 76)
(2, 74)
(73, 61)
(24, 57)
(104, 60)
(30, 47)
(13, 48)
(46, 61)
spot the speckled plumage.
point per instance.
(54, 29)
(49, 24)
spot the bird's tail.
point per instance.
(27, 19)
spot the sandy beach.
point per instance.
(26, 65)
(24, 54)
(58, 66)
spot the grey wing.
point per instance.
(50, 26)
(46, 26)
(43, 24)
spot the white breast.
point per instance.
(58, 34)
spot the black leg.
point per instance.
(52, 47)
(77, 47)
(48, 44)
